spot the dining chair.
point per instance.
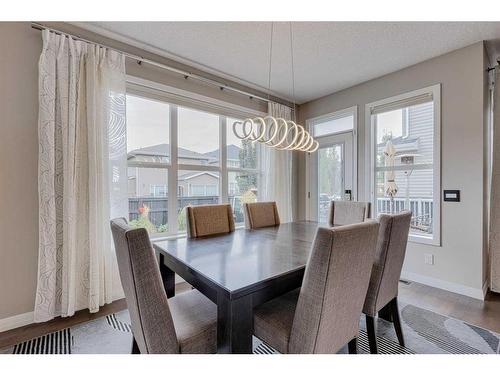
(323, 315)
(348, 212)
(260, 215)
(382, 291)
(209, 219)
(186, 323)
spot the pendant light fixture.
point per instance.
(277, 132)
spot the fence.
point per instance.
(158, 206)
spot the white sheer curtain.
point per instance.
(277, 170)
(494, 238)
(82, 176)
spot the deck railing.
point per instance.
(421, 208)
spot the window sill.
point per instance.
(415, 238)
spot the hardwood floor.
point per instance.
(485, 314)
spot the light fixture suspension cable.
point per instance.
(270, 59)
(293, 73)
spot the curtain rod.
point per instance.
(140, 60)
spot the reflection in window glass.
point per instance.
(333, 126)
(195, 188)
(243, 188)
(148, 199)
(240, 153)
(148, 123)
(198, 137)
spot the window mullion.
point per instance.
(172, 173)
(223, 159)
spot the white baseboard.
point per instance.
(16, 321)
(477, 293)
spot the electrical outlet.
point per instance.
(429, 259)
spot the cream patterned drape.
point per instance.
(494, 240)
(277, 170)
(82, 176)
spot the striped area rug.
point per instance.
(384, 346)
(59, 342)
(118, 324)
(424, 331)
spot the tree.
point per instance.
(330, 171)
(248, 159)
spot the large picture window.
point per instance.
(405, 159)
(174, 160)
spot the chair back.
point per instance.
(334, 288)
(209, 219)
(389, 257)
(152, 323)
(260, 215)
(348, 212)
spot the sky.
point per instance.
(390, 122)
(148, 124)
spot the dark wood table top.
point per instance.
(241, 261)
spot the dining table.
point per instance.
(238, 271)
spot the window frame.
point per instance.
(175, 98)
(370, 152)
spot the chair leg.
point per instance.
(372, 335)
(353, 346)
(396, 321)
(135, 348)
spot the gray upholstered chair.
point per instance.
(323, 315)
(260, 215)
(186, 323)
(383, 288)
(348, 212)
(209, 219)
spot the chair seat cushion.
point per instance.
(195, 321)
(273, 320)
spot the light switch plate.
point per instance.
(429, 259)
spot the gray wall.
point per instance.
(459, 261)
(21, 46)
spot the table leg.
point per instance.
(234, 324)
(168, 276)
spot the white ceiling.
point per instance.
(328, 56)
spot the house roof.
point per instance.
(189, 175)
(163, 149)
(400, 141)
(233, 152)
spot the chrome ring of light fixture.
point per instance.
(275, 132)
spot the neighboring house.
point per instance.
(152, 182)
(198, 184)
(233, 156)
(417, 140)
